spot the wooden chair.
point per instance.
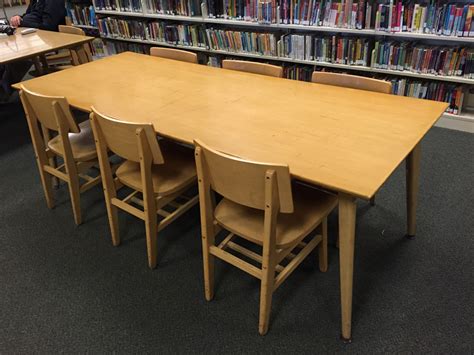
(260, 206)
(253, 67)
(353, 82)
(81, 54)
(74, 144)
(161, 173)
(73, 56)
(176, 54)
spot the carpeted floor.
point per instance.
(67, 289)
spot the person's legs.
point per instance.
(12, 73)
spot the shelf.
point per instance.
(467, 117)
(86, 27)
(165, 44)
(464, 122)
(371, 32)
(453, 79)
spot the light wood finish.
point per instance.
(76, 55)
(342, 139)
(258, 205)
(20, 46)
(253, 67)
(359, 143)
(176, 54)
(412, 182)
(160, 175)
(352, 81)
(74, 143)
(347, 221)
(79, 54)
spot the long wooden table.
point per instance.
(346, 140)
(32, 45)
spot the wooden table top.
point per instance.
(343, 139)
(21, 46)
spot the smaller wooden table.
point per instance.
(35, 44)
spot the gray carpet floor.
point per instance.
(67, 289)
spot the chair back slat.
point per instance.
(121, 137)
(176, 54)
(48, 109)
(81, 54)
(352, 81)
(253, 67)
(243, 181)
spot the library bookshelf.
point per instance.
(463, 120)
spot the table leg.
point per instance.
(44, 62)
(413, 179)
(347, 219)
(37, 64)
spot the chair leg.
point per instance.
(266, 293)
(208, 263)
(323, 246)
(112, 213)
(75, 194)
(46, 181)
(151, 229)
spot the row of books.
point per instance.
(119, 5)
(113, 47)
(174, 7)
(262, 11)
(98, 47)
(115, 27)
(438, 91)
(81, 14)
(405, 56)
(242, 42)
(433, 18)
(446, 61)
(297, 72)
(186, 35)
(333, 49)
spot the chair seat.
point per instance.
(82, 143)
(310, 207)
(177, 172)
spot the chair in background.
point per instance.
(160, 172)
(353, 82)
(73, 143)
(259, 205)
(176, 54)
(253, 67)
(81, 54)
(70, 57)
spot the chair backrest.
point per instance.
(352, 81)
(122, 137)
(49, 111)
(82, 54)
(176, 54)
(253, 67)
(242, 181)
